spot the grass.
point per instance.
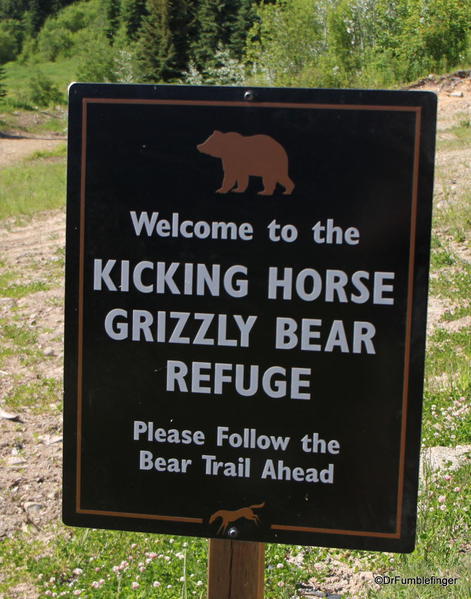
(18, 76)
(15, 290)
(59, 152)
(31, 187)
(458, 136)
(113, 564)
(38, 396)
(18, 340)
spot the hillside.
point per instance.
(329, 43)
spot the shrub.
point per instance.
(54, 41)
(43, 91)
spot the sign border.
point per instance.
(417, 110)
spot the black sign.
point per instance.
(245, 320)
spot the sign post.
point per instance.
(235, 569)
(246, 287)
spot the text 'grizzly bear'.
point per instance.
(244, 156)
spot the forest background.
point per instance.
(45, 44)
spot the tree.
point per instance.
(215, 23)
(165, 34)
(3, 90)
(132, 14)
(111, 10)
(155, 48)
(243, 22)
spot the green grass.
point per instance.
(443, 540)
(8, 288)
(117, 565)
(31, 187)
(18, 76)
(38, 395)
(59, 152)
(18, 340)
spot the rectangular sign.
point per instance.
(246, 286)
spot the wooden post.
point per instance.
(236, 569)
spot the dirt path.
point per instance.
(30, 440)
(14, 150)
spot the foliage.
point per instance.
(162, 46)
(61, 35)
(111, 9)
(223, 70)
(10, 40)
(287, 36)
(43, 91)
(132, 13)
(99, 65)
(215, 21)
(3, 90)
(243, 21)
(357, 42)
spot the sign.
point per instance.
(246, 290)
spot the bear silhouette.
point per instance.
(244, 156)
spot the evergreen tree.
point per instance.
(3, 90)
(13, 9)
(132, 13)
(215, 22)
(111, 9)
(155, 49)
(244, 20)
(165, 34)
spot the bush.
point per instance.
(43, 92)
(98, 66)
(357, 42)
(60, 35)
(54, 41)
(224, 70)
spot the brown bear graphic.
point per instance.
(249, 155)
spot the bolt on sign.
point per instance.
(245, 311)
